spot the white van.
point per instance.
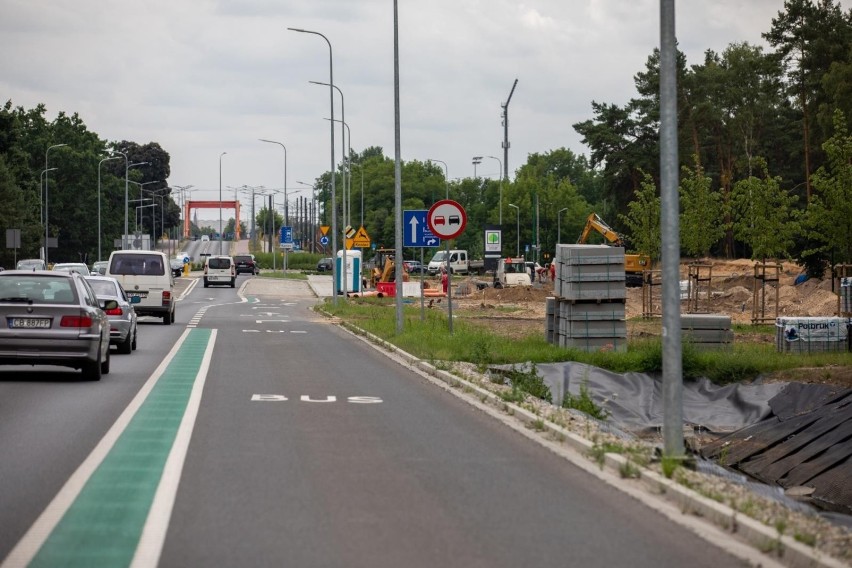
(145, 274)
(219, 269)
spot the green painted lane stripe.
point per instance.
(103, 525)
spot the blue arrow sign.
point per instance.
(286, 235)
(415, 231)
(323, 240)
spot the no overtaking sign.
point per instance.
(446, 219)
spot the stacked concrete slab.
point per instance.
(811, 334)
(707, 331)
(590, 291)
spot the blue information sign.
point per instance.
(286, 235)
(415, 231)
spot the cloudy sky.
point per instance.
(202, 77)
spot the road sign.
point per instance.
(415, 231)
(324, 240)
(361, 238)
(324, 229)
(446, 219)
(286, 236)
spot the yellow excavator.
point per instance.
(634, 264)
(384, 267)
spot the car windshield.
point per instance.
(242, 259)
(103, 287)
(36, 289)
(219, 263)
(30, 264)
(439, 256)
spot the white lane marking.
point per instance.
(31, 542)
(307, 398)
(272, 321)
(251, 331)
(297, 331)
(156, 525)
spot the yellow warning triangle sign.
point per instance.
(361, 238)
(324, 229)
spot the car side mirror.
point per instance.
(109, 305)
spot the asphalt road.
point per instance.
(309, 448)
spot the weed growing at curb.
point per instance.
(584, 403)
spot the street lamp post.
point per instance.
(286, 210)
(333, 190)
(347, 212)
(501, 187)
(558, 225)
(127, 167)
(43, 174)
(141, 189)
(446, 174)
(518, 230)
(46, 191)
(476, 161)
(99, 202)
(312, 223)
(220, 201)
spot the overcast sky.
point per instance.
(202, 77)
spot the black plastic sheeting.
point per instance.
(635, 402)
(805, 442)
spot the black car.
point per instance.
(246, 263)
(325, 265)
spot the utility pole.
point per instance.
(505, 107)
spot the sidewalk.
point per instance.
(323, 286)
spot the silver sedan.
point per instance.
(122, 318)
(53, 318)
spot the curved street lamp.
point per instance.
(220, 202)
(333, 189)
(46, 190)
(286, 203)
(446, 174)
(99, 202)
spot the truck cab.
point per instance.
(511, 272)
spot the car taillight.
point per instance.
(75, 321)
(205, 270)
(167, 297)
(233, 270)
(117, 311)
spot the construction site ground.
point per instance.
(520, 311)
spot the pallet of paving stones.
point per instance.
(812, 334)
(593, 344)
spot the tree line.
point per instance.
(765, 152)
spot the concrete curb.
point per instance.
(763, 540)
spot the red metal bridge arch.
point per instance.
(190, 205)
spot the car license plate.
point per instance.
(30, 323)
(137, 294)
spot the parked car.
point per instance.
(99, 268)
(122, 318)
(415, 267)
(176, 264)
(325, 265)
(246, 263)
(53, 318)
(80, 268)
(31, 264)
(219, 269)
(205, 238)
